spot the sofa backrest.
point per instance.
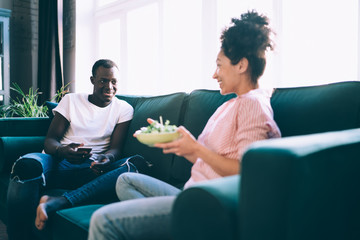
(190, 110)
(315, 109)
(297, 111)
(167, 106)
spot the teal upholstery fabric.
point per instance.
(74, 222)
(167, 106)
(315, 109)
(207, 210)
(303, 187)
(24, 126)
(11, 148)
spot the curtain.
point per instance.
(69, 40)
(55, 71)
(49, 67)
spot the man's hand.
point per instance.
(100, 164)
(70, 153)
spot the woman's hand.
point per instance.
(149, 120)
(186, 146)
(70, 153)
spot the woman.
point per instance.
(218, 150)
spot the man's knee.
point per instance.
(26, 169)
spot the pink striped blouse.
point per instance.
(232, 128)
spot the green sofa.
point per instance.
(274, 172)
(302, 186)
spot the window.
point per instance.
(4, 57)
(102, 3)
(143, 50)
(1, 60)
(319, 42)
(165, 46)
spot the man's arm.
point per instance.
(56, 131)
(52, 145)
(117, 140)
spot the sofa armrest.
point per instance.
(11, 148)
(303, 187)
(207, 210)
(24, 126)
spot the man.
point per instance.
(96, 121)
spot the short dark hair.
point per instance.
(248, 37)
(106, 63)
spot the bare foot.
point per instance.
(46, 206)
(41, 215)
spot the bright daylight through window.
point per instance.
(165, 46)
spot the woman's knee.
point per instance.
(100, 220)
(123, 183)
(102, 224)
(97, 218)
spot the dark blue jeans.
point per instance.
(35, 173)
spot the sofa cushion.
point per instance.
(170, 108)
(199, 106)
(73, 222)
(316, 109)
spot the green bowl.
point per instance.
(151, 138)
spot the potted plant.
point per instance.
(26, 105)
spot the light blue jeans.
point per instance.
(143, 213)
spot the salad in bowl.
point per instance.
(157, 132)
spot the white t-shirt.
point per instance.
(90, 124)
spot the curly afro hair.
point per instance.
(248, 37)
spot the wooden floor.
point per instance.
(3, 235)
